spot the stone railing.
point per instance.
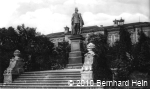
(14, 69)
(87, 73)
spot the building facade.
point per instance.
(113, 31)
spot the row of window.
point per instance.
(112, 37)
(57, 40)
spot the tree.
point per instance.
(101, 70)
(124, 48)
(61, 55)
(112, 55)
(8, 39)
(141, 51)
(38, 47)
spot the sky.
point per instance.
(51, 16)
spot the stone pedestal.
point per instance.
(8, 78)
(87, 75)
(75, 56)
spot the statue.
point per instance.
(89, 57)
(87, 71)
(15, 67)
(76, 22)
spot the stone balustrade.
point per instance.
(14, 69)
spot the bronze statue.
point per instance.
(76, 22)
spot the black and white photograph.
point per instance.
(74, 44)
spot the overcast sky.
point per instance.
(50, 16)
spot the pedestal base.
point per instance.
(86, 75)
(75, 66)
(75, 56)
(8, 78)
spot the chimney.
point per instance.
(121, 21)
(66, 29)
(115, 23)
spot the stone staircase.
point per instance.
(50, 79)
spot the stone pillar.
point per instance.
(75, 56)
(15, 68)
(87, 73)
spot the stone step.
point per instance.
(33, 84)
(42, 81)
(48, 76)
(55, 71)
(38, 78)
(76, 78)
(50, 87)
(74, 66)
(49, 79)
(41, 74)
(47, 84)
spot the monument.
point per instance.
(76, 22)
(75, 56)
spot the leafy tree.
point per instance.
(141, 51)
(124, 48)
(40, 49)
(26, 35)
(61, 55)
(112, 55)
(36, 49)
(101, 71)
(8, 41)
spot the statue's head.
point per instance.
(76, 9)
(90, 46)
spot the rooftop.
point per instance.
(97, 28)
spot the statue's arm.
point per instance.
(79, 14)
(81, 19)
(72, 19)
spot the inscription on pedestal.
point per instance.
(75, 46)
